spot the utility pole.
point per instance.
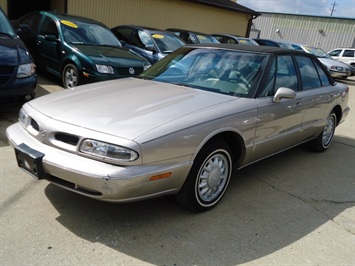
(332, 10)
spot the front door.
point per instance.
(48, 43)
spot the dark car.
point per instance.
(193, 37)
(18, 79)
(77, 49)
(152, 44)
(234, 39)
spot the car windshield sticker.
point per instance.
(69, 24)
(158, 36)
(201, 37)
(243, 41)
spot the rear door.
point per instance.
(317, 96)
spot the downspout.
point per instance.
(250, 22)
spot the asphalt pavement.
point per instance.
(296, 208)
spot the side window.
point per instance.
(285, 73)
(123, 34)
(323, 76)
(282, 74)
(335, 53)
(191, 39)
(32, 21)
(270, 44)
(136, 40)
(219, 38)
(49, 27)
(309, 74)
(230, 40)
(144, 39)
(348, 53)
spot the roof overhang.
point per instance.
(227, 5)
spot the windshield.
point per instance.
(167, 42)
(229, 72)
(78, 32)
(5, 27)
(315, 51)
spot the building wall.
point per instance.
(58, 5)
(3, 5)
(161, 14)
(324, 32)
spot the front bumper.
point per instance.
(16, 90)
(339, 74)
(101, 180)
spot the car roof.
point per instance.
(137, 27)
(149, 29)
(190, 31)
(64, 16)
(250, 48)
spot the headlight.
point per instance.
(106, 151)
(23, 117)
(26, 70)
(104, 69)
(337, 68)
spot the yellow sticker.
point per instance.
(69, 24)
(201, 37)
(243, 41)
(158, 36)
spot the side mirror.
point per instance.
(23, 29)
(51, 38)
(150, 48)
(283, 93)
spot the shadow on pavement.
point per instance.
(268, 206)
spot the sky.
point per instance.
(342, 8)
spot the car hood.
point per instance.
(13, 52)
(115, 56)
(127, 107)
(332, 62)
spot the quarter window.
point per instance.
(309, 73)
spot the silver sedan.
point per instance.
(182, 127)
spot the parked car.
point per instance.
(345, 55)
(77, 49)
(181, 127)
(191, 37)
(18, 79)
(352, 67)
(337, 69)
(229, 38)
(152, 44)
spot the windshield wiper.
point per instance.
(106, 45)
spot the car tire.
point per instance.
(208, 178)
(323, 141)
(70, 76)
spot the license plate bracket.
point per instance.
(30, 160)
